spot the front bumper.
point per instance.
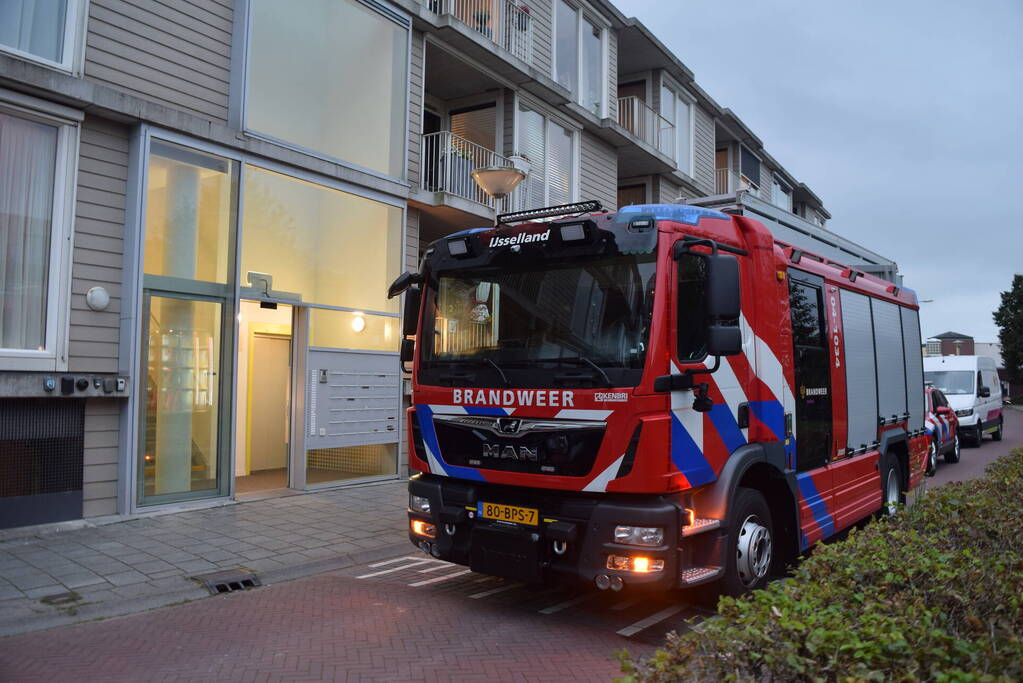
(571, 541)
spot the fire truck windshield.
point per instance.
(581, 322)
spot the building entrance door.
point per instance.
(264, 397)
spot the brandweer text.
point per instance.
(494, 397)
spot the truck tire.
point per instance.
(892, 495)
(952, 457)
(997, 434)
(749, 554)
(932, 457)
(978, 434)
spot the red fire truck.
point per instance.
(658, 397)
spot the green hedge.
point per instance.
(934, 593)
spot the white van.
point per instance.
(973, 390)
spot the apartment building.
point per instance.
(202, 204)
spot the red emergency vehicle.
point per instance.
(658, 397)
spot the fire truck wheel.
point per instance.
(997, 434)
(891, 489)
(932, 458)
(952, 456)
(749, 554)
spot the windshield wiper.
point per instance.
(497, 367)
(598, 369)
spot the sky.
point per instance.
(904, 116)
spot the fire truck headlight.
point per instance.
(419, 504)
(964, 413)
(573, 232)
(639, 535)
(458, 247)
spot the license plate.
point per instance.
(509, 513)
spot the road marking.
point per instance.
(624, 604)
(484, 579)
(396, 559)
(657, 617)
(495, 591)
(436, 567)
(438, 579)
(410, 565)
(553, 609)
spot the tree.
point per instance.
(1009, 318)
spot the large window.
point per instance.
(677, 108)
(35, 191)
(41, 30)
(550, 148)
(320, 245)
(579, 56)
(331, 78)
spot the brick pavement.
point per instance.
(139, 564)
(335, 627)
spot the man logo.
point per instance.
(497, 451)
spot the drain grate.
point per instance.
(228, 581)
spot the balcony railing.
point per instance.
(447, 165)
(727, 181)
(505, 22)
(637, 117)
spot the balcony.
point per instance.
(448, 162)
(727, 181)
(504, 22)
(637, 117)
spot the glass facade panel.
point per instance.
(592, 92)
(567, 45)
(331, 78)
(325, 465)
(320, 245)
(189, 213)
(347, 330)
(28, 155)
(181, 450)
(35, 27)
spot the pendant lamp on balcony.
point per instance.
(498, 181)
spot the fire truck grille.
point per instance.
(542, 449)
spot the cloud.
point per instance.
(904, 117)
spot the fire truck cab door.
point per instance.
(811, 359)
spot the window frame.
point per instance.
(583, 12)
(680, 94)
(548, 118)
(54, 356)
(73, 57)
(239, 104)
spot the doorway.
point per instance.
(265, 381)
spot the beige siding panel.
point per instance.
(667, 191)
(99, 489)
(415, 113)
(98, 250)
(703, 151)
(175, 53)
(612, 75)
(412, 241)
(598, 172)
(540, 13)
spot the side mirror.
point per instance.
(723, 299)
(403, 282)
(985, 392)
(408, 350)
(410, 312)
(724, 340)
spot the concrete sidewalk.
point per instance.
(143, 563)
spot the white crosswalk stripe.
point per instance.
(410, 565)
(655, 618)
(438, 579)
(495, 591)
